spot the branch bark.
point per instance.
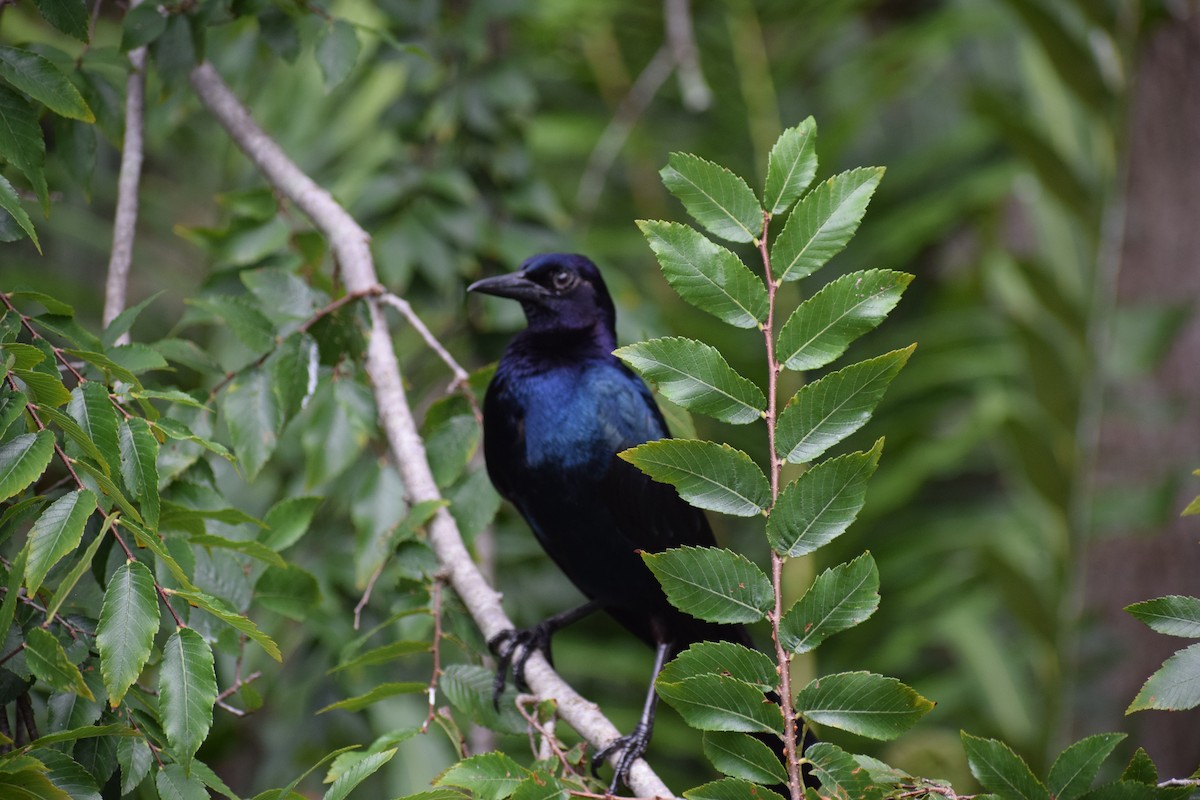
(351, 248)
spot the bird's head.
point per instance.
(558, 291)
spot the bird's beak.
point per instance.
(514, 285)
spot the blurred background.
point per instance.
(1042, 158)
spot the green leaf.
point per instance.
(1174, 687)
(68, 775)
(821, 504)
(451, 436)
(293, 371)
(11, 203)
(32, 784)
(862, 702)
(84, 732)
(9, 605)
(1173, 615)
(22, 461)
(222, 611)
(489, 776)
(82, 564)
(826, 219)
(336, 51)
(109, 489)
(111, 369)
(998, 769)
(74, 433)
(125, 633)
(46, 389)
(49, 663)
(25, 356)
(141, 26)
(721, 703)
(57, 532)
(187, 691)
(697, 377)
(290, 591)
(41, 80)
(1077, 766)
(380, 692)
(825, 324)
(175, 782)
(287, 521)
(69, 16)
(1140, 769)
(21, 142)
(707, 275)
(12, 406)
(139, 465)
(731, 789)
(714, 197)
(742, 756)
(121, 323)
(211, 779)
(243, 318)
(838, 599)
(723, 658)
(248, 547)
(540, 786)
(254, 419)
(348, 780)
(134, 758)
(791, 166)
(840, 774)
(708, 475)
(383, 654)
(712, 584)
(91, 407)
(828, 410)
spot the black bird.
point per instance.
(556, 414)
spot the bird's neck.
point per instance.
(537, 349)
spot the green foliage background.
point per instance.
(462, 136)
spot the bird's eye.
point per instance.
(563, 279)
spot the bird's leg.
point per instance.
(633, 744)
(513, 647)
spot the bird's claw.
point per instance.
(632, 746)
(512, 649)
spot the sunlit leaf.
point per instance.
(711, 583)
(723, 658)
(839, 598)
(489, 776)
(1173, 615)
(139, 465)
(998, 769)
(347, 781)
(1077, 766)
(826, 219)
(48, 662)
(721, 703)
(714, 197)
(862, 702)
(1174, 687)
(91, 407)
(57, 532)
(23, 459)
(708, 475)
(791, 166)
(46, 389)
(696, 376)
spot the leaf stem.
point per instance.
(783, 662)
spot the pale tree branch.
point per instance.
(351, 248)
(128, 180)
(677, 17)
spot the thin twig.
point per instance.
(352, 252)
(435, 610)
(128, 180)
(366, 595)
(461, 376)
(549, 738)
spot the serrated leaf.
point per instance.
(12, 406)
(84, 732)
(21, 142)
(712, 584)
(451, 436)
(175, 782)
(714, 197)
(731, 789)
(839, 598)
(287, 521)
(187, 691)
(139, 465)
(380, 692)
(125, 633)
(23, 460)
(134, 758)
(708, 475)
(69, 16)
(32, 783)
(469, 689)
(821, 504)
(1173, 615)
(109, 489)
(68, 775)
(74, 433)
(1077, 766)
(254, 419)
(224, 612)
(92, 409)
(48, 662)
(826, 219)
(337, 50)
(122, 322)
(998, 769)
(791, 166)
(293, 371)
(57, 532)
(141, 26)
(828, 410)
(348, 780)
(46, 389)
(244, 319)
(1174, 687)
(41, 80)
(711, 702)
(723, 658)
(82, 564)
(249, 547)
(383, 654)
(840, 775)
(742, 756)
(8, 606)
(540, 786)
(290, 591)
(825, 324)
(112, 370)
(864, 703)
(11, 203)
(489, 776)
(1140, 769)
(707, 275)
(696, 376)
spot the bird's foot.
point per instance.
(632, 746)
(512, 649)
